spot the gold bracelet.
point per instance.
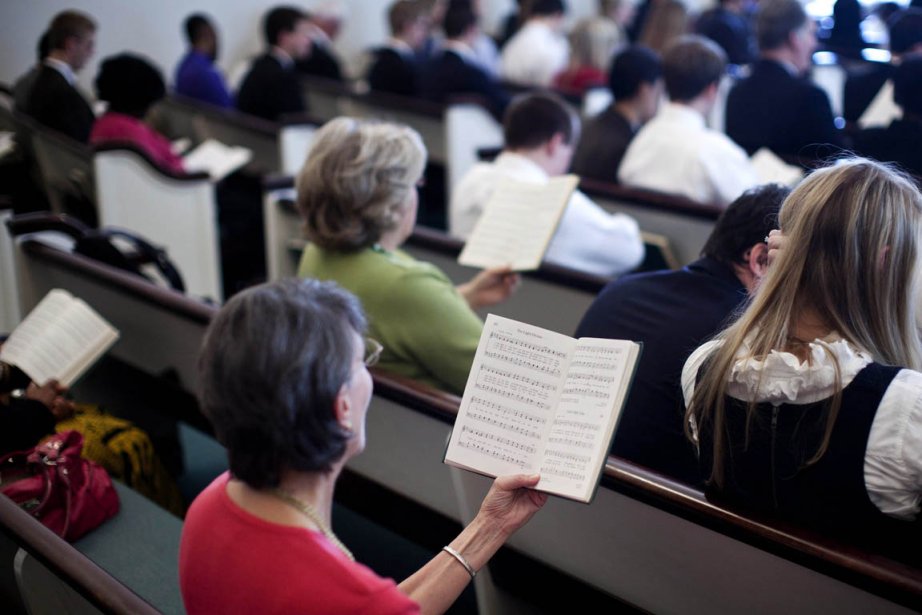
(452, 552)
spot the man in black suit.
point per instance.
(271, 87)
(864, 83)
(322, 61)
(636, 82)
(54, 100)
(900, 141)
(455, 69)
(395, 68)
(672, 313)
(776, 106)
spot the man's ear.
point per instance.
(554, 143)
(343, 409)
(757, 259)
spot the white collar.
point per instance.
(677, 112)
(400, 46)
(62, 67)
(520, 167)
(462, 49)
(282, 56)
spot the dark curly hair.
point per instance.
(130, 84)
(273, 361)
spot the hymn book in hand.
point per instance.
(60, 338)
(518, 223)
(539, 401)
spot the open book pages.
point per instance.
(770, 168)
(216, 159)
(60, 338)
(539, 401)
(518, 223)
(882, 109)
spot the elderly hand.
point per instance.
(489, 287)
(51, 394)
(511, 502)
(776, 243)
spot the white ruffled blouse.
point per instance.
(893, 459)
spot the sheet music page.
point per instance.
(60, 338)
(509, 400)
(518, 223)
(882, 109)
(770, 168)
(580, 432)
(216, 159)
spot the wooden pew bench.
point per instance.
(647, 540)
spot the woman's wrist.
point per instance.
(479, 541)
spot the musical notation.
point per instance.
(492, 452)
(568, 456)
(534, 348)
(510, 442)
(570, 442)
(592, 377)
(525, 399)
(549, 470)
(585, 392)
(600, 365)
(528, 364)
(577, 424)
(495, 376)
(508, 412)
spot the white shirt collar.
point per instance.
(463, 50)
(62, 67)
(282, 56)
(520, 167)
(399, 46)
(677, 112)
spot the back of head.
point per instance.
(546, 8)
(906, 31)
(67, 25)
(593, 41)
(402, 15)
(281, 19)
(196, 27)
(272, 364)
(907, 86)
(690, 65)
(745, 223)
(130, 84)
(356, 181)
(44, 46)
(776, 21)
(632, 68)
(531, 120)
(458, 21)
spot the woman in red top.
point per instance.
(131, 85)
(283, 378)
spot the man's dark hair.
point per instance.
(544, 8)
(690, 65)
(44, 46)
(457, 21)
(271, 367)
(533, 119)
(776, 20)
(402, 14)
(905, 30)
(67, 25)
(746, 222)
(195, 27)
(281, 19)
(907, 85)
(130, 84)
(632, 68)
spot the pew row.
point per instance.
(646, 539)
(552, 297)
(278, 147)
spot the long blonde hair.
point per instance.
(853, 232)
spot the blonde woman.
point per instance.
(593, 42)
(810, 405)
(357, 195)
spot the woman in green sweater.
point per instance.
(357, 195)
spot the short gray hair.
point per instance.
(356, 181)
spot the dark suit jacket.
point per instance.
(449, 74)
(393, 72)
(672, 313)
(602, 145)
(59, 106)
(270, 90)
(861, 88)
(731, 31)
(789, 115)
(900, 142)
(320, 63)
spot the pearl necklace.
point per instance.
(311, 513)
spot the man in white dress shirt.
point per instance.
(541, 132)
(676, 152)
(539, 50)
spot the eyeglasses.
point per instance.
(373, 350)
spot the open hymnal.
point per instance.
(539, 401)
(518, 223)
(60, 338)
(216, 159)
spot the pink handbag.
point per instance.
(52, 482)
